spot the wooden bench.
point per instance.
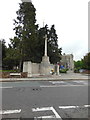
(15, 74)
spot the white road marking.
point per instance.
(69, 85)
(56, 115)
(52, 116)
(86, 105)
(66, 82)
(5, 87)
(41, 109)
(10, 111)
(69, 107)
(56, 82)
(84, 82)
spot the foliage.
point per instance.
(53, 51)
(86, 61)
(4, 48)
(76, 70)
(12, 58)
(83, 63)
(26, 32)
(78, 64)
(9, 71)
(63, 70)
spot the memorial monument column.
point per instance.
(45, 66)
(45, 45)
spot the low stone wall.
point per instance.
(86, 72)
(4, 75)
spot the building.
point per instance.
(67, 61)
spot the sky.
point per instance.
(70, 18)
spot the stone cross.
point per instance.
(45, 45)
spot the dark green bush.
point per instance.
(76, 70)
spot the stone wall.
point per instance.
(35, 68)
(31, 68)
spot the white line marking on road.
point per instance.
(52, 116)
(45, 109)
(70, 85)
(84, 82)
(56, 114)
(10, 111)
(69, 107)
(5, 87)
(41, 109)
(56, 82)
(86, 105)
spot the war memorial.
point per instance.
(44, 68)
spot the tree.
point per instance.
(26, 32)
(3, 51)
(53, 50)
(11, 59)
(78, 64)
(86, 61)
(83, 63)
(3, 48)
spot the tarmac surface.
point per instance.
(54, 97)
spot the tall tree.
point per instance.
(3, 51)
(53, 50)
(3, 48)
(26, 32)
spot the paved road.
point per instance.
(45, 99)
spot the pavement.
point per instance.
(63, 76)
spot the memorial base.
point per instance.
(45, 66)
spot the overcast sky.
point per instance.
(70, 18)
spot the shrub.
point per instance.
(63, 70)
(76, 70)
